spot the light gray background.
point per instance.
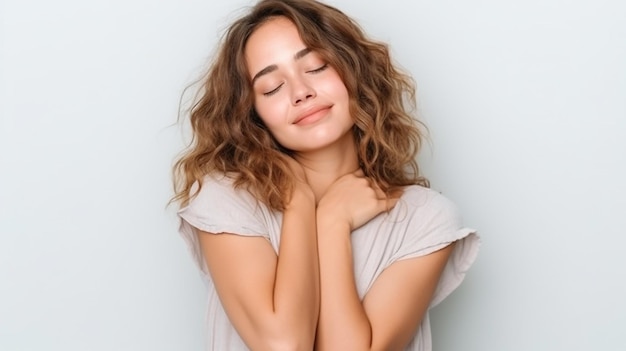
(525, 100)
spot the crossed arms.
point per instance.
(305, 297)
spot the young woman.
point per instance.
(300, 195)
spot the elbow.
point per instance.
(287, 339)
(280, 334)
(285, 343)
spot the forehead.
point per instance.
(272, 42)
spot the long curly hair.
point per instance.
(228, 136)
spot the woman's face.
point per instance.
(299, 97)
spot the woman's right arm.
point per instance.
(272, 300)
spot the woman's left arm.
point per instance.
(394, 307)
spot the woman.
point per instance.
(301, 197)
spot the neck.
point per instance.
(323, 167)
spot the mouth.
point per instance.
(312, 115)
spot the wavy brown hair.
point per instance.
(230, 138)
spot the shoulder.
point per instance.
(436, 222)
(217, 206)
(429, 217)
(218, 189)
(429, 203)
(431, 221)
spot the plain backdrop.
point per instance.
(526, 105)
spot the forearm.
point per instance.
(296, 289)
(343, 324)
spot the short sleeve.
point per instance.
(435, 223)
(219, 208)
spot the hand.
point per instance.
(354, 200)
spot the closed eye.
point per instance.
(273, 91)
(320, 69)
(314, 71)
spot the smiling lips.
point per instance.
(312, 115)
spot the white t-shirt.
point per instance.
(423, 221)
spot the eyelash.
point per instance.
(274, 91)
(320, 69)
(313, 71)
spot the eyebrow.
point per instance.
(271, 68)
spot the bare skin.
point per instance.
(305, 297)
(272, 300)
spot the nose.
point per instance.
(301, 91)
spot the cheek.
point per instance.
(269, 114)
(337, 87)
